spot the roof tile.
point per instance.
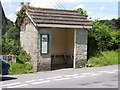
(57, 16)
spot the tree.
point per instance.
(22, 3)
(117, 23)
(106, 38)
(83, 12)
(28, 3)
(109, 23)
(24, 6)
(13, 31)
(11, 42)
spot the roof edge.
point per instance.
(63, 26)
(30, 18)
(32, 7)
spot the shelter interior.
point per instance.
(62, 48)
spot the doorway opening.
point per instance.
(62, 48)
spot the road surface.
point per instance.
(94, 77)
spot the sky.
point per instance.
(96, 9)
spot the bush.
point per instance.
(105, 58)
(102, 38)
(10, 46)
(18, 68)
(115, 41)
(23, 57)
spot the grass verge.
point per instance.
(105, 58)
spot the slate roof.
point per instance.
(57, 16)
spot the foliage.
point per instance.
(113, 24)
(104, 37)
(109, 23)
(18, 68)
(92, 47)
(25, 4)
(11, 45)
(12, 31)
(19, 13)
(22, 10)
(23, 57)
(117, 24)
(10, 41)
(104, 59)
(83, 12)
(115, 41)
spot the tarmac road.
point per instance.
(94, 77)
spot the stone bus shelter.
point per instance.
(54, 38)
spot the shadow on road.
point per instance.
(5, 78)
(55, 67)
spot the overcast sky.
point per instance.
(103, 9)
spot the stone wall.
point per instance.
(44, 61)
(29, 39)
(81, 47)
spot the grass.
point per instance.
(105, 58)
(18, 68)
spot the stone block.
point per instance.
(81, 48)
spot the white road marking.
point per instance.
(61, 79)
(33, 80)
(85, 73)
(71, 75)
(30, 81)
(41, 82)
(17, 86)
(54, 77)
(79, 76)
(110, 72)
(103, 71)
(41, 79)
(11, 84)
(57, 77)
(95, 74)
(49, 78)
